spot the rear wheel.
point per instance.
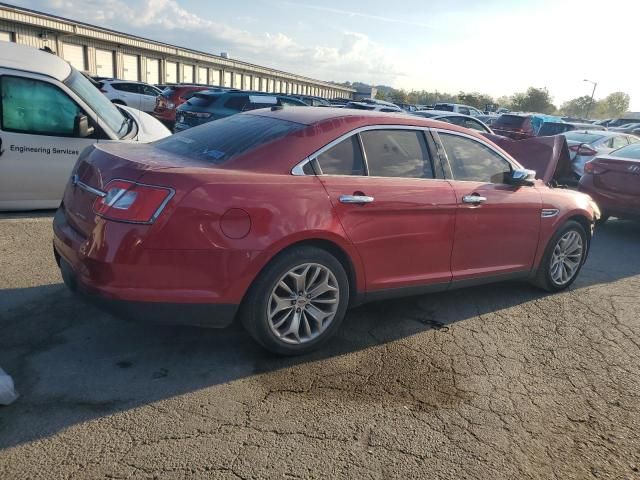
(563, 258)
(298, 301)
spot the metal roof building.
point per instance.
(107, 53)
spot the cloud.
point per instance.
(354, 56)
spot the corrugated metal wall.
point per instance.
(39, 31)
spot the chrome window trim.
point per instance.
(298, 168)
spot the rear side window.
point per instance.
(37, 108)
(619, 142)
(472, 161)
(220, 141)
(345, 158)
(397, 153)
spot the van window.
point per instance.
(36, 107)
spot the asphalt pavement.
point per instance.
(501, 381)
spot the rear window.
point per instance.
(551, 128)
(582, 137)
(443, 107)
(199, 99)
(513, 121)
(630, 151)
(220, 141)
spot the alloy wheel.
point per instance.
(566, 257)
(303, 303)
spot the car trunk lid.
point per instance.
(618, 175)
(101, 164)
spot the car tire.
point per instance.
(553, 272)
(270, 310)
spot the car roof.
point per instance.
(314, 115)
(25, 58)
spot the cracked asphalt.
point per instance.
(501, 381)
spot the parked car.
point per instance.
(50, 113)
(312, 101)
(522, 125)
(284, 218)
(207, 106)
(374, 106)
(458, 108)
(613, 181)
(558, 128)
(466, 121)
(584, 145)
(138, 95)
(632, 128)
(171, 98)
(632, 117)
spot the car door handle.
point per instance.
(356, 199)
(473, 199)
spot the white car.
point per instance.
(458, 108)
(50, 113)
(139, 95)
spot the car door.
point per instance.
(38, 142)
(497, 225)
(399, 216)
(149, 95)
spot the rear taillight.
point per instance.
(132, 202)
(583, 149)
(594, 168)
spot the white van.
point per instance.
(50, 112)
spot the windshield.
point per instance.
(100, 104)
(582, 137)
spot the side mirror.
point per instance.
(81, 126)
(522, 178)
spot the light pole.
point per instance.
(595, 84)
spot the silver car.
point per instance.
(585, 145)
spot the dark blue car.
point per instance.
(207, 106)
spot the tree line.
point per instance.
(532, 100)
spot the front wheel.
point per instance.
(298, 302)
(563, 258)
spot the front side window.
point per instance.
(472, 161)
(345, 158)
(463, 110)
(397, 153)
(38, 108)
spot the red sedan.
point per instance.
(284, 218)
(613, 181)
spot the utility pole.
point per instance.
(595, 84)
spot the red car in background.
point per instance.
(283, 218)
(613, 181)
(170, 99)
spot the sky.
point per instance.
(497, 47)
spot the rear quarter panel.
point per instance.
(283, 210)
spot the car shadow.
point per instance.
(73, 362)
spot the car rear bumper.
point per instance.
(610, 203)
(122, 288)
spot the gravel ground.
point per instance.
(502, 381)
